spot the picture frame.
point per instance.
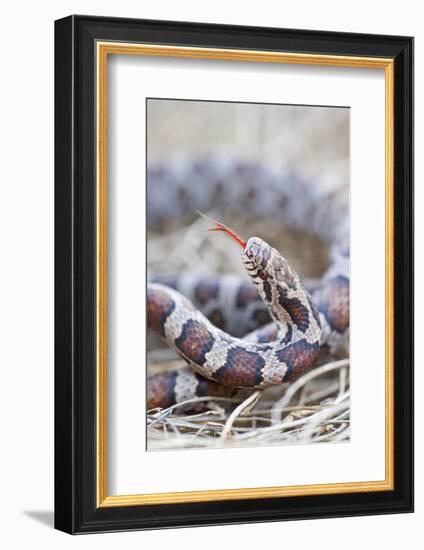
(83, 45)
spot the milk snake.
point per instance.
(292, 325)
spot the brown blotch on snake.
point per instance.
(161, 390)
(241, 368)
(159, 306)
(195, 341)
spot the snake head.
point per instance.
(255, 257)
(264, 263)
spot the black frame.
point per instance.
(75, 274)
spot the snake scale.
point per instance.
(282, 323)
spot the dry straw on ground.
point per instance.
(313, 409)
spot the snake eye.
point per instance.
(262, 274)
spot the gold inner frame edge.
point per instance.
(103, 49)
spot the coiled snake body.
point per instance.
(302, 322)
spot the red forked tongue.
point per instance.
(218, 226)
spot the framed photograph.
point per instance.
(234, 274)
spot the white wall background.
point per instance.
(26, 286)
